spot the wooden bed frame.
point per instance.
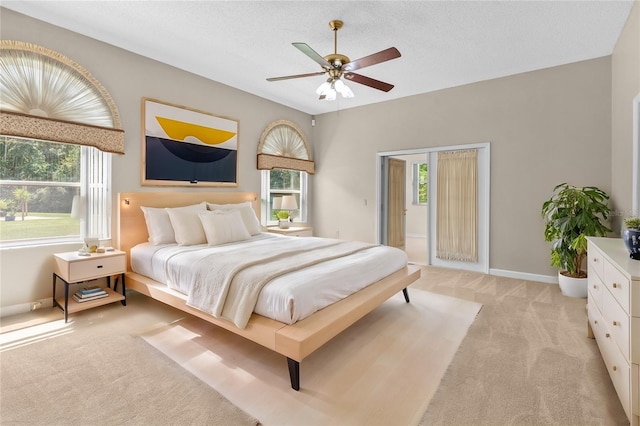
(295, 341)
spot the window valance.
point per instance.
(47, 96)
(284, 146)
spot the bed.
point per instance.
(295, 334)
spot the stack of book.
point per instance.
(86, 294)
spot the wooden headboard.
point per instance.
(132, 228)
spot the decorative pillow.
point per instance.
(158, 226)
(247, 213)
(186, 225)
(223, 227)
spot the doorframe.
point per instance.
(484, 205)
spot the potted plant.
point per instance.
(283, 219)
(631, 236)
(570, 215)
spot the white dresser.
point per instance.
(614, 317)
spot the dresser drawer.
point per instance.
(618, 285)
(635, 341)
(596, 287)
(595, 260)
(635, 384)
(618, 323)
(598, 326)
(619, 371)
(95, 268)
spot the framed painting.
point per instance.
(187, 147)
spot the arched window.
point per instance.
(285, 158)
(58, 126)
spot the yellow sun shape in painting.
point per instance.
(180, 130)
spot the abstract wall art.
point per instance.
(187, 147)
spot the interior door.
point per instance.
(396, 203)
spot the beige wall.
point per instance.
(26, 273)
(625, 74)
(545, 127)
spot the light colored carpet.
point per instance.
(526, 360)
(97, 374)
(383, 370)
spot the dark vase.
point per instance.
(631, 239)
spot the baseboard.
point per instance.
(422, 236)
(524, 276)
(22, 308)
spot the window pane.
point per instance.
(285, 179)
(39, 181)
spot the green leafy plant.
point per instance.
(283, 215)
(570, 215)
(632, 223)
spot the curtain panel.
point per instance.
(457, 206)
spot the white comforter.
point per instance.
(294, 285)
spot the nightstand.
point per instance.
(292, 231)
(71, 268)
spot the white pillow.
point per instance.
(247, 213)
(158, 226)
(223, 227)
(186, 224)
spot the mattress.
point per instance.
(287, 298)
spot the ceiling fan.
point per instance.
(337, 66)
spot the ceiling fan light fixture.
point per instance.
(343, 89)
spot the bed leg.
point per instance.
(406, 294)
(294, 373)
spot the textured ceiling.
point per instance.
(443, 43)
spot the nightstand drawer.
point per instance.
(96, 268)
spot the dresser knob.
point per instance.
(615, 285)
(615, 323)
(595, 260)
(595, 322)
(615, 368)
(607, 335)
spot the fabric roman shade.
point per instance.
(284, 146)
(47, 96)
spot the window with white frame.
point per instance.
(52, 192)
(278, 183)
(420, 184)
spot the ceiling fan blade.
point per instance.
(304, 48)
(376, 58)
(289, 77)
(368, 81)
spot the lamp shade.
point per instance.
(289, 203)
(77, 207)
(277, 203)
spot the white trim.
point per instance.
(22, 308)
(421, 236)
(524, 276)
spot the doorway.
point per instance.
(420, 235)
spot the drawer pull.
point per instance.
(615, 368)
(595, 260)
(615, 285)
(615, 323)
(99, 266)
(595, 321)
(607, 335)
